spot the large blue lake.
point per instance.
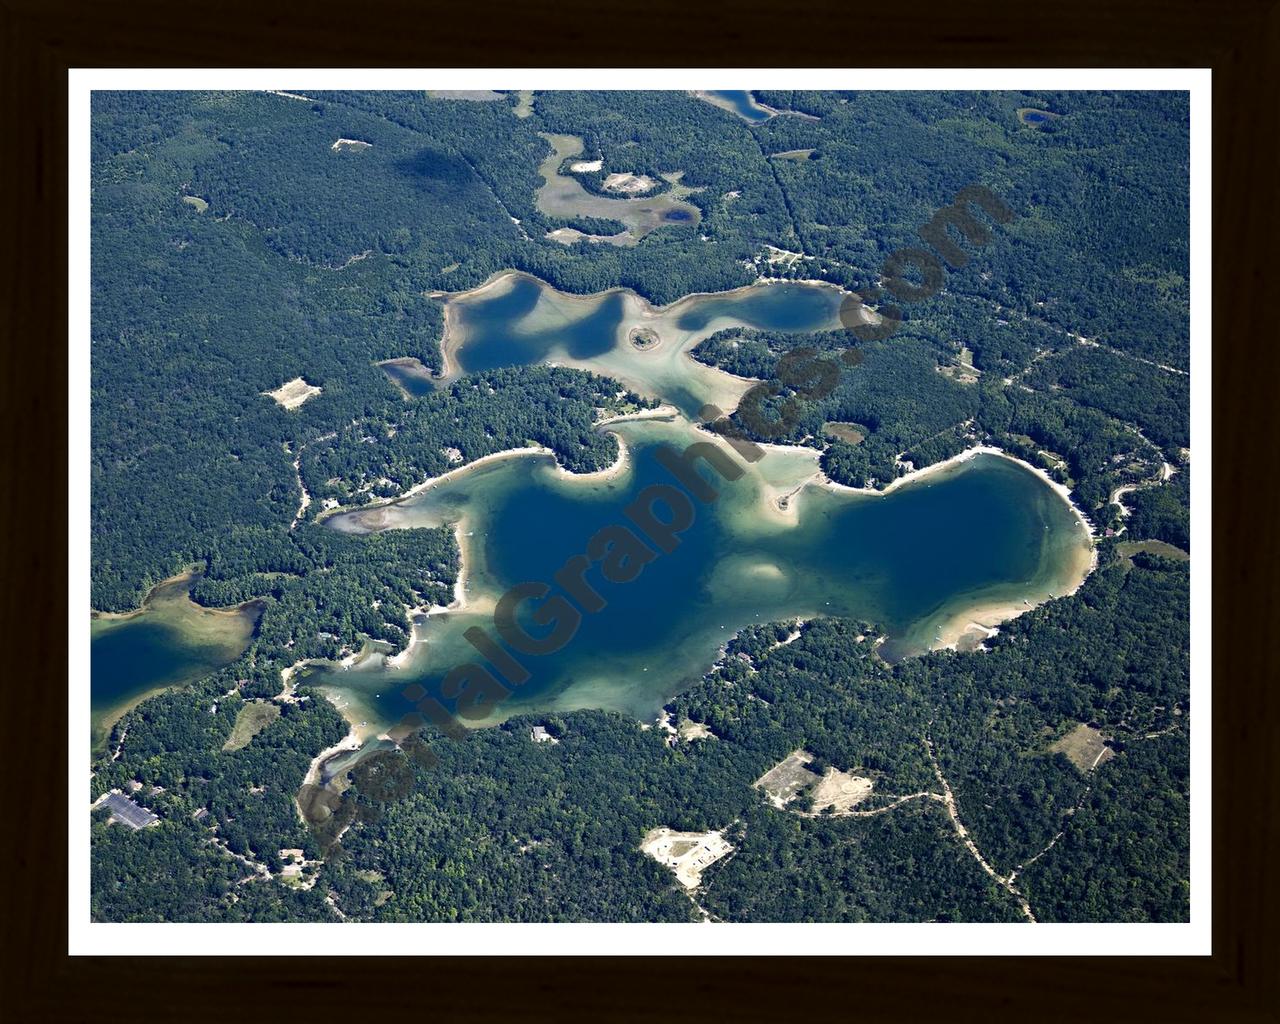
(987, 529)
(970, 542)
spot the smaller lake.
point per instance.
(563, 196)
(170, 642)
(410, 375)
(778, 307)
(1036, 118)
(741, 102)
(501, 328)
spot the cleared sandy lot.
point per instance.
(787, 779)
(688, 854)
(840, 791)
(293, 393)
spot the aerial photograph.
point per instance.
(639, 506)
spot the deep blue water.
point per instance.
(131, 658)
(895, 559)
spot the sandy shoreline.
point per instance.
(153, 598)
(450, 339)
(619, 465)
(980, 620)
(351, 741)
(186, 574)
(110, 716)
(463, 601)
(966, 628)
(917, 475)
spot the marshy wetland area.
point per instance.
(564, 196)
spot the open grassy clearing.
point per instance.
(787, 779)
(849, 433)
(524, 107)
(252, 719)
(1127, 549)
(1084, 746)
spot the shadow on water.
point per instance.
(495, 337)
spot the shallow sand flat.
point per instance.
(570, 236)
(664, 371)
(564, 196)
(724, 103)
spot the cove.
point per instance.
(982, 533)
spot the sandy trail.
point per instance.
(963, 833)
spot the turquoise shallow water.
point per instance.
(986, 530)
(985, 527)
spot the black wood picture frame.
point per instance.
(1238, 39)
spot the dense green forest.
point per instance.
(340, 249)
(327, 230)
(496, 827)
